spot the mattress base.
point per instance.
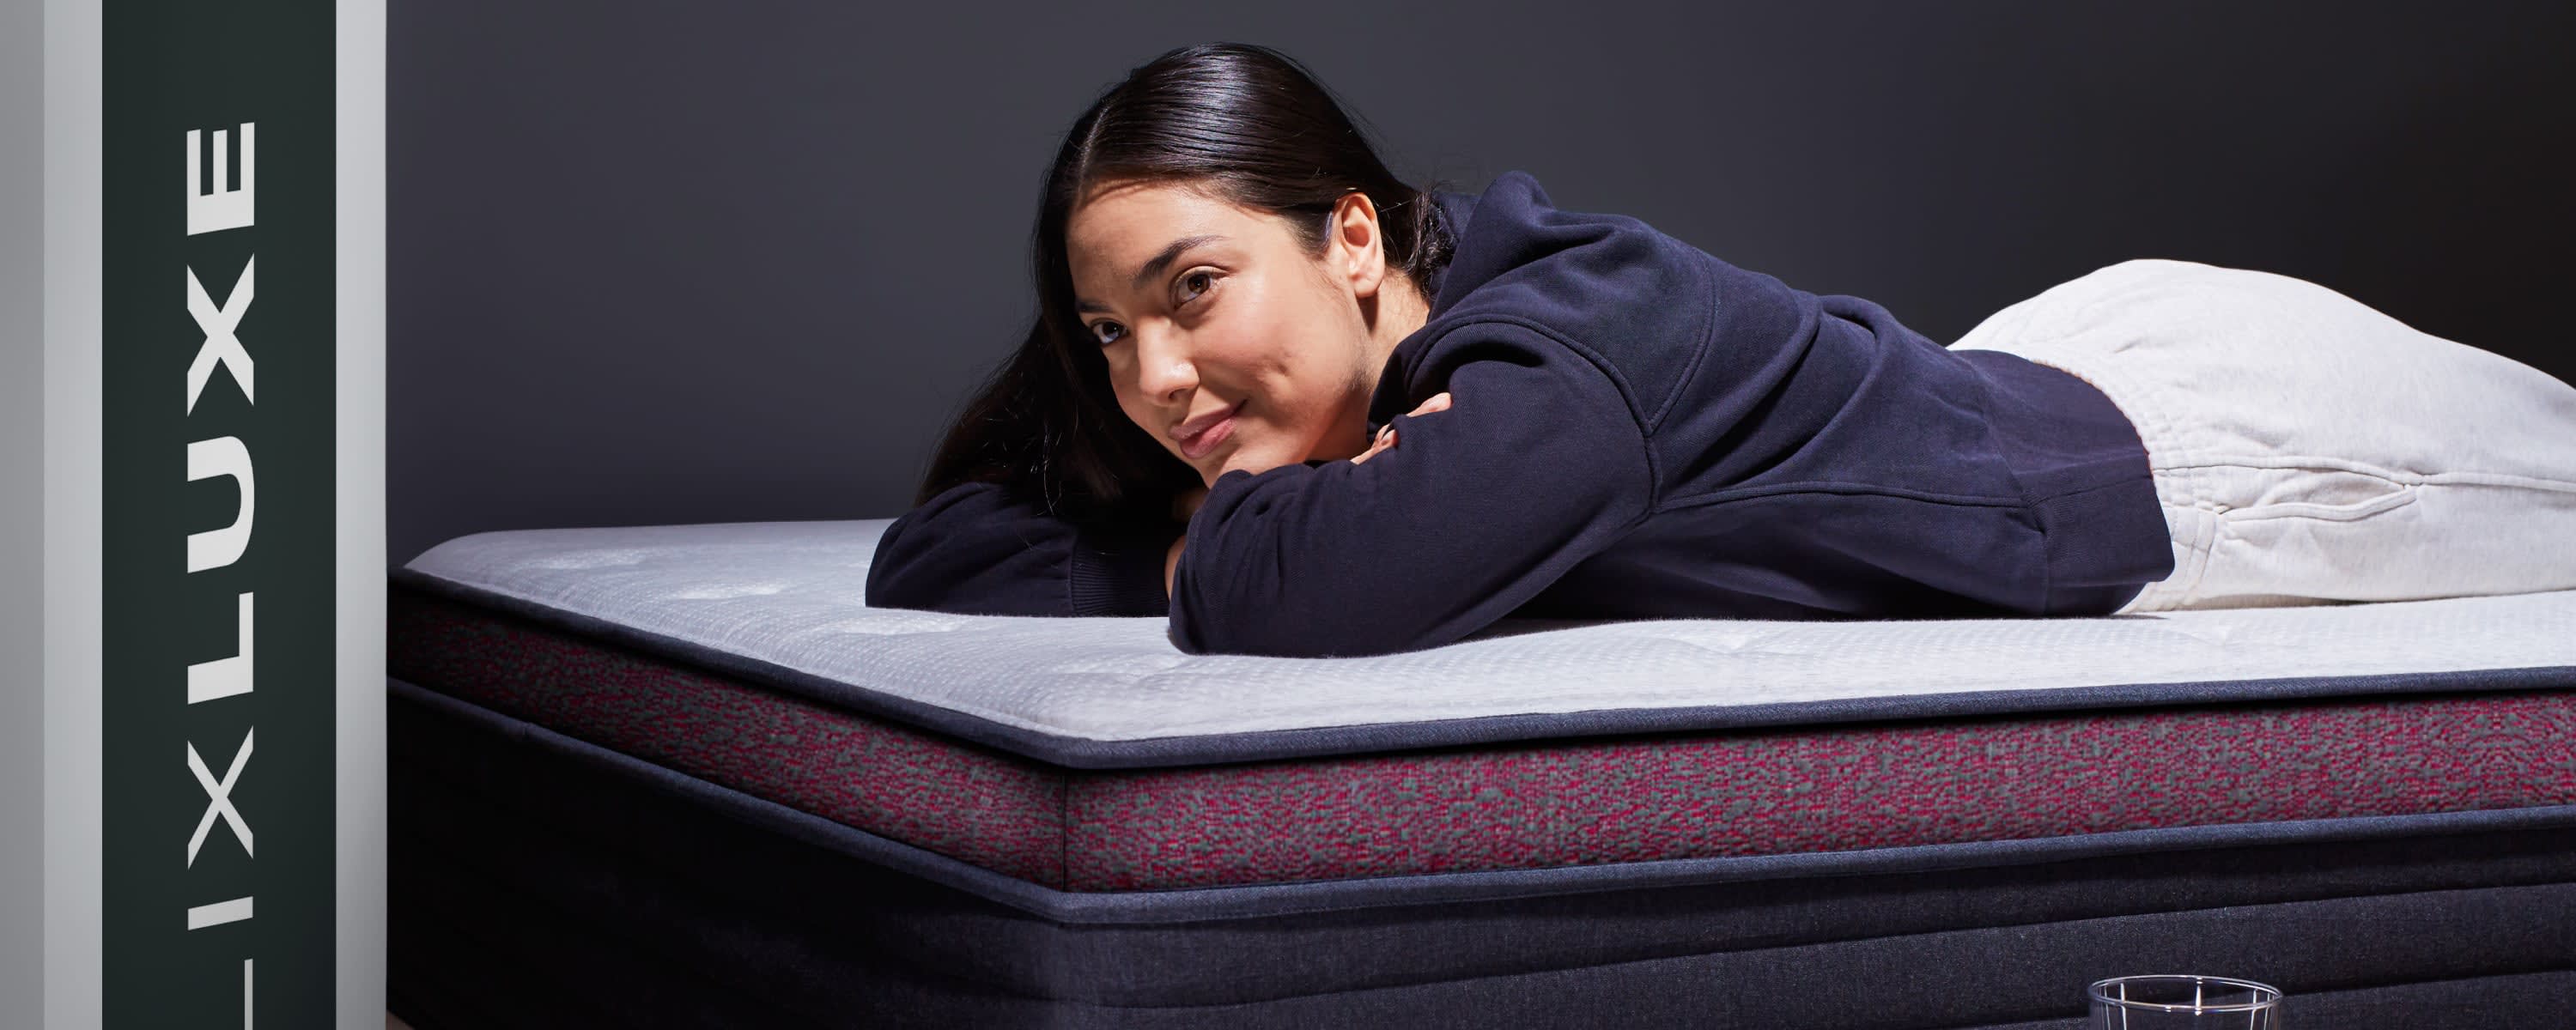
(535, 880)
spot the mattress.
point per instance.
(1651, 784)
(1089, 754)
(788, 599)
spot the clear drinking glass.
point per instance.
(2182, 1001)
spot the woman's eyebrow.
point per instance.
(1152, 268)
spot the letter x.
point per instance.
(219, 799)
(219, 325)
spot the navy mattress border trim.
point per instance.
(1318, 742)
(1263, 900)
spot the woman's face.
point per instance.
(1212, 315)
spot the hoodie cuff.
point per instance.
(1119, 571)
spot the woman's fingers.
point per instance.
(1386, 434)
(1385, 439)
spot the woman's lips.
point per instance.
(1197, 447)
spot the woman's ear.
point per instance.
(1358, 239)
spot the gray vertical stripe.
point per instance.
(22, 513)
(360, 705)
(72, 415)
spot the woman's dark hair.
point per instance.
(1248, 126)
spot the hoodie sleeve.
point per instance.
(1538, 464)
(975, 549)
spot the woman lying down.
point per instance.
(1302, 408)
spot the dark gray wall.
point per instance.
(685, 262)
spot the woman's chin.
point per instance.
(1254, 461)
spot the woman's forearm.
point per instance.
(1187, 504)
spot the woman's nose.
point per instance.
(1164, 368)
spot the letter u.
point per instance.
(222, 456)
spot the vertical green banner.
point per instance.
(218, 532)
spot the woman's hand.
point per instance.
(1386, 437)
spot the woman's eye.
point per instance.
(1197, 275)
(1098, 327)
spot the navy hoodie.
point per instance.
(1637, 429)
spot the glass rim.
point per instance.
(2265, 995)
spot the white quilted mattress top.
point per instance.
(792, 594)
